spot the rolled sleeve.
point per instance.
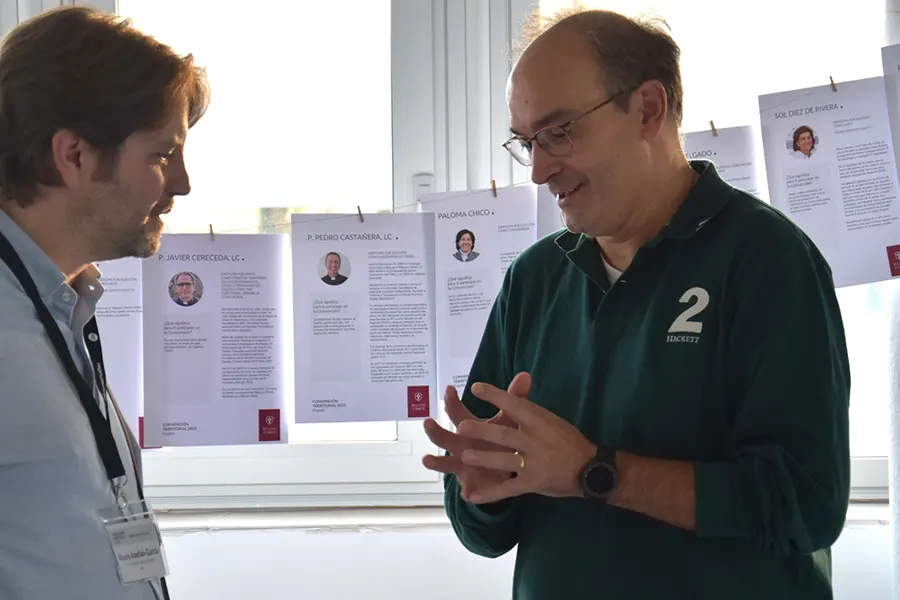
(785, 480)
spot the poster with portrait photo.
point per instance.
(830, 168)
(363, 317)
(215, 341)
(736, 153)
(477, 237)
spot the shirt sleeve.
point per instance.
(487, 530)
(785, 483)
(51, 483)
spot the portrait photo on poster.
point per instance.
(334, 268)
(185, 288)
(802, 143)
(465, 246)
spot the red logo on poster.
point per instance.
(141, 436)
(417, 401)
(894, 260)
(270, 424)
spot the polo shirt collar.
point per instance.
(51, 284)
(708, 196)
(46, 275)
(704, 201)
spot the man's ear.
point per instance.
(652, 104)
(72, 157)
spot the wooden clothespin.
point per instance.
(494, 187)
(833, 84)
(713, 126)
(359, 212)
(212, 234)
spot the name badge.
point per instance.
(136, 542)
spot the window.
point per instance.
(300, 121)
(303, 120)
(731, 53)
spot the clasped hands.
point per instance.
(523, 449)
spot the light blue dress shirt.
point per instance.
(52, 480)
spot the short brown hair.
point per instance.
(78, 68)
(629, 51)
(800, 131)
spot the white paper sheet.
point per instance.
(119, 322)
(364, 331)
(477, 236)
(214, 346)
(829, 161)
(733, 151)
(890, 58)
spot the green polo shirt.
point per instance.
(721, 344)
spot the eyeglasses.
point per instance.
(553, 139)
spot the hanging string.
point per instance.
(320, 217)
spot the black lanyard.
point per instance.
(102, 428)
(95, 351)
(106, 443)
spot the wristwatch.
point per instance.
(600, 476)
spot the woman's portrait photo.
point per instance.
(804, 142)
(465, 246)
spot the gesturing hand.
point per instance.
(472, 479)
(547, 452)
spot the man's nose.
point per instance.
(543, 166)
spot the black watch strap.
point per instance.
(600, 477)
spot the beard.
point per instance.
(118, 229)
(137, 235)
(142, 242)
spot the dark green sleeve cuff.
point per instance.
(489, 530)
(490, 513)
(723, 501)
(478, 514)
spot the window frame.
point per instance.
(449, 63)
(439, 107)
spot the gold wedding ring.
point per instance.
(521, 461)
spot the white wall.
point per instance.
(341, 558)
(891, 37)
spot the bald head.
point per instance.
(557, 60)
(624, 51)
(594, 106)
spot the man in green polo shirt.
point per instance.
(670, 371)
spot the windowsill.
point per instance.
(868, 513)
(859, 515)
(313, 519)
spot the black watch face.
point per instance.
(600, 480)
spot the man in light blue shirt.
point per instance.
(93, 120)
